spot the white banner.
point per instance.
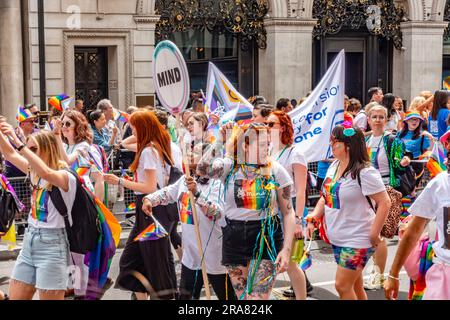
(316, 117)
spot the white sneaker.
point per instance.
(375, 280)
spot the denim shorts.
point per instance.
(43, 260)
(240, 241)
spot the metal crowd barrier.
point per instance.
(120, 200)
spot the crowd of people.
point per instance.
(247, 192)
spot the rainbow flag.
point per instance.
(418, 287)
(306, 260)
(222, 98)
(80, 166)
(131, 207)
(436, 164)
(186, 214)
(99, 259)
(155, 231)
(60, 102)
(5, 185)
(406, 203)
(119, 115)
(23, 114)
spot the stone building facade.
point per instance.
(103, 48)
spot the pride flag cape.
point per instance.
(99, 260)
(155, 231)
(435, 164)
(60, 102)
(417, 288)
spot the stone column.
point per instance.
(418, 65)
(11, 63)
(285, 67)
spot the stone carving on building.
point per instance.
(241, 18)
(384, 17)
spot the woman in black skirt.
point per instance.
(152, 168)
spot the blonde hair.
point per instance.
(377, 107)
(417, 101)
(49, 151)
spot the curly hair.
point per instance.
(287, 137)
(82, 130)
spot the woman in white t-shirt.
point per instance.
(255, 188)
(152, 167)
(43, 260)
(209, 211)
(387, 155)
(294, 161)
(433, 202)
(352, 226)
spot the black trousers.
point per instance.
(152, 258)
(191, 278)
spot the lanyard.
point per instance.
(282, 151)
(375, 163)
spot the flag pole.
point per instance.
(194, 214)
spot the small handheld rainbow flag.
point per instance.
(131, 207)
(306, 260)
(5, 185)
(120, 115)
(186, 213)
(23, 114)
(406, 203)
(60, 102)
(80, 166)
(155, 231)
(436, 164)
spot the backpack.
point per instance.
(85, 229)
(408, 177)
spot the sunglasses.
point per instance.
(66, 124)
(33, 149)
(271, 124)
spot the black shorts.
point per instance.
(240, 241)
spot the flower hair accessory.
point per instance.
(349, 132)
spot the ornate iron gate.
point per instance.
(91, 75)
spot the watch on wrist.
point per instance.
(197, 194)
(19, 148)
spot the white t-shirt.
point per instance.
(209, 230)
(378, 156)
(150, 160)
(360, 121)
(392, 124)
(177, 156)
(84, 147)
(430, 204)
(44, 215)
(244, 200)
(289, 157)
(348, 215)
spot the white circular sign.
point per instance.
(171, 77)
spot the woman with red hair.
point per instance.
(152, 168)
(294, 161)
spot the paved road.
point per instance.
(321, 275)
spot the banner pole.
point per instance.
(194, 214)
